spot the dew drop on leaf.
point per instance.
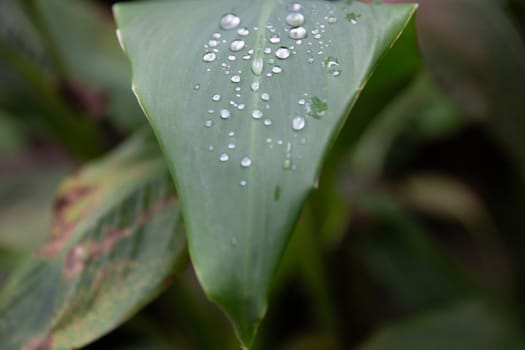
(209, 57)
(243, 31)
(246, 162)
(282, 53)
(295, 19)
(216, 97)
(237, 45)
(265, 96)
(225, 114)
(229, 21)
(257, 114)
(298, 123)
(297, 33)
(224, 157)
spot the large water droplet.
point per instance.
(282, 53)
(297, 33)
(209, 57)
(225, 114)
(257, 114)
(298, 123)
(295, 19)
(237, 45)
(229, 21)
(246, 162)
(224, 157)
(257, 65)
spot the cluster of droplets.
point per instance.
(266, 62)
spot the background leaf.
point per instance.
(116, 236)
(244, 161)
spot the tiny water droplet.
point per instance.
(257, 114)
(225, 114)
(267, 50)
(209, 57)
(267, 122)
(213, 43)
(232, 58)
(265, 96)
(297, 33)
(295, 19)
(246, 162)
(275, 39)
(216, 98)
(231, 134)
(224, 157)
(241, 106)
(295, 7)
(311, 60)
(255, 86)
(298, 123)
(236, 78)
(277, 69)
(211, 148)
(243, 183)
(231, 146)
(208, 123)
(237, 45)
(216, 35)
(229, 21)
(301, 102)
(196, 87)
(332, 20)
(282, 53)
(243, 31)
(257, 66)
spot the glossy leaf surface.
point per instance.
(245, 112)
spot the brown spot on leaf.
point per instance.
(146, 216)
(111, 238)
(63, 224)
(39, 344)
(75, 261)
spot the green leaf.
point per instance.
(116, 236)
(239, 214)
(472, 326)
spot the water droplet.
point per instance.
(332, 19)
(213, 43)
(257, 66)
(268, 140)
(216, 98)
(208, 123)
(297, 33)
(301, 102)
(246, 162)
(243, 31)
(298, 123)
(255, 86)
(231, 146)
(311, 60)
(236, 78)
(277, 69)
(295, 7)
(243, 183)
(229, 21)
(282, 53)
(257, 114)
(237, 45)
(267, 122)
(295, 19)
(268, 50)
(196, 87)
(331, 64)
(265, 96)
(224, 157)
(279, 142)
(209, 57)
(211, 148)
(352, 17)
(316, 107)
(232, 58)
(225, 114)
(216, 35)
(275, 39)
(241, 106)
(231, 134)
